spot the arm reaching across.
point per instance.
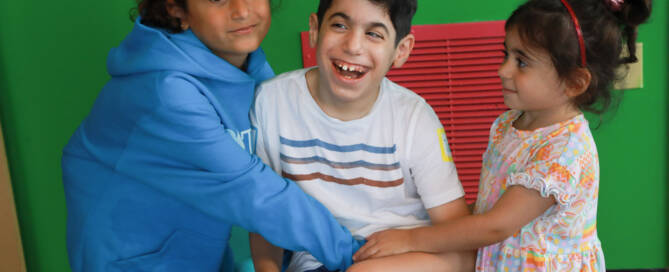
(517, 207)
(182, 148)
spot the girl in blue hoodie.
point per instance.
(163, 165)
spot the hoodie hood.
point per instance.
(177, 52)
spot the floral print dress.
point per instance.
(560, 161)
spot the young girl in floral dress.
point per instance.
(537, 201)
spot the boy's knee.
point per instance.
(355, 268)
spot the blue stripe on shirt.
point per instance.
(338, 148)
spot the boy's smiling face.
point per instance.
(355, 48)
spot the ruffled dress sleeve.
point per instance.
(553, 170)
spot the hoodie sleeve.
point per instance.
(183, 150)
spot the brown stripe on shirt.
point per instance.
(354, 181)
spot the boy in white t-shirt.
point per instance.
(374, 153)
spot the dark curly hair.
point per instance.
(547, 24)
(400, 12)
(154, 13)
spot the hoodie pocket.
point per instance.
(182, 251)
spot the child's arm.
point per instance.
(517, 207)
(266, 257)
(396, 241)
(449, 211)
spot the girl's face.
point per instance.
(230, 28)
(529, 79)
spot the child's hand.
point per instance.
(385, 243)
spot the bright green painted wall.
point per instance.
(52, 65)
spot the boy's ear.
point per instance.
(403, 50)
(176, 11)
(578, 82)
(313, 30)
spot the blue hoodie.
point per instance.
(162, 167)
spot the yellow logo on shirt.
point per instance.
(443, 143)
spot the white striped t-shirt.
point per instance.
(378, 172)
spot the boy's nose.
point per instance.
(353, 43)
(239, 9)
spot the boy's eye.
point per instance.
(338, 26)
(375, 35)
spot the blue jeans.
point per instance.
(321, 269)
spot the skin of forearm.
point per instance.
(264, 266)
(466, 233)
(266, 257)
(516, 208)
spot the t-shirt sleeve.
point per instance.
(430, 160)
(258, 122)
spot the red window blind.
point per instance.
(454, 67)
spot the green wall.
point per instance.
(52, 65)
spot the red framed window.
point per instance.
(454, 67)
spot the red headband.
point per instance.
(579, 33)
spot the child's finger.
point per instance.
(377, 252)
(364, 251)
(359, 256)
(361, 252)
(367, 254)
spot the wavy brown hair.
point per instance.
(546, 24)
(154, 13)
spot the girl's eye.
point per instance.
(521, 63)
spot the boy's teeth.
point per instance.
(345, 67)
